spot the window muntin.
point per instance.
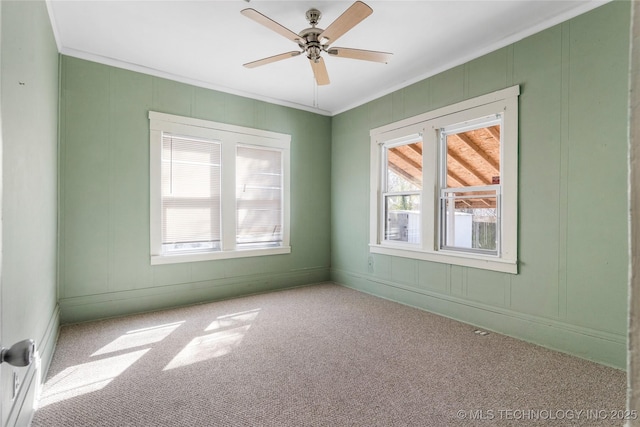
(490, 198)
(216, 191)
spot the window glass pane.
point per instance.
(470, 220)
(402, 218)
(258, 197)
(190, 190)
(473, 157)
(404, 167)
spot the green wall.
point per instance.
(571, 290)
(29, 117)
(104, 195)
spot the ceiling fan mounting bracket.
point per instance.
(313, 16)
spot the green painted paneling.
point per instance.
(169, 274)
(209, 104)
(457, 280)
(381, 111)
(571, 289)
(239, 111)
(129, 183)
(433, 276)
(104, 204)
(488, 73)
(397, 102)
(597, 173)
(487, 287)
(446, 88)
(537, 64)
(201, 271)
(404, 270)
(29, 126)
(348, 160)
(416, 98)
(87, 149)
(168, 96)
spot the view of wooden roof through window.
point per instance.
(473, 160)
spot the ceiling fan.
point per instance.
(313, 41)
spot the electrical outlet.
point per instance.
(16, 385)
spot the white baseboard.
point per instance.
(25, 401)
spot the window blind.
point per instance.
(258, 196)
(190, 194)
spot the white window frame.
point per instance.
(230, 137)
(428, 125)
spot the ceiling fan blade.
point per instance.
(349, 19)
(365, 55)
(271, 59)
(270, 24)
(320, 72)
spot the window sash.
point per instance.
(450, 237)
(190, 194)
(460, 230)
(401, 199)
(259, 201)
(402, 224)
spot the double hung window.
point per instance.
(217, 191)
(444, 184)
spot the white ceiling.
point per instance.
(206, 42)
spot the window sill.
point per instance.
(210, 256)
(453, 258)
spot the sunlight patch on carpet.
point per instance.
(139, 337)
(87, 377)
(235, 319)
(209, 347)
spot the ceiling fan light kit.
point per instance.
(313, 41)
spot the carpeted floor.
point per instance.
(321, 355)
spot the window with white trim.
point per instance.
(444, 184)
(217, 191)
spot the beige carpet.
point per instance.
(321, 355)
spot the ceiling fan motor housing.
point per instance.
(310, 43)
